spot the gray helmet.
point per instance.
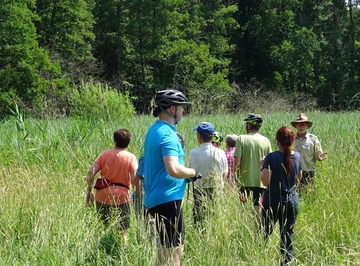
(254, 119)
(166, 98)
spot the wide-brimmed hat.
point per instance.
(205, 129)
(302, 118)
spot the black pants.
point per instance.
(307, 183)
(308, 177)
(285, 213)
(203, 197)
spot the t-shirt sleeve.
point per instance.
(169, 145)
(267, 162)
(299, 161)
(100, 159)
(140, 170)
(318, 149)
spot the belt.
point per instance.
(119, 184)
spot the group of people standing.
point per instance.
(270, 177)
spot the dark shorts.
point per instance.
(169, 221)
(256, 193)
(122, 212)
(308, 177)
(307, 184)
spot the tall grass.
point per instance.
(44, 220)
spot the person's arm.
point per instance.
(319, 154)
(299, 177)
(132, 177)
(265, 176)
(138, 184)
(175, 169)
(139, 190)
(94, 169)
(226, 167)
(139, 176)
(237, 166)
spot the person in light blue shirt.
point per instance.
(162, 187)
(138, 182)
(166, 176)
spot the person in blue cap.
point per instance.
(211, 162)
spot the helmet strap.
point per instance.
(174, 116)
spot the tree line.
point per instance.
(214, 51)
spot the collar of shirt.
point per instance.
(206, 144)
(164, 122)
(305, 137)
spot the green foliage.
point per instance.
(26, 73)
(65, 27)
(65, 30)
(294, 58)
(155, 45)
(299, 48)
(94, 100)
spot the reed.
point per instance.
(44, 220)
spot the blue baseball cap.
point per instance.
(205, 129)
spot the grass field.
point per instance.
(44, 219)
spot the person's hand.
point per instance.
(322, 156)
(194, 178)
(242, 198)
(90, 199)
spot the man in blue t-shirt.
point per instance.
(165, 175)
(138, 182)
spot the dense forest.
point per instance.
(216, 52)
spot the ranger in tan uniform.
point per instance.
(309, 147)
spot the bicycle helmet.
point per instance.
(217, 137)
(254, 119)
(166, 98)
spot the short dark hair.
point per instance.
(122, 138)
(253, 127)
(206, 139)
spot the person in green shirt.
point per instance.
(250, 149)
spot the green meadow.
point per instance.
(44, 219)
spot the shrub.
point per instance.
(255, 98)
(92, 100)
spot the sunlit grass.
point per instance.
(44, 220)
